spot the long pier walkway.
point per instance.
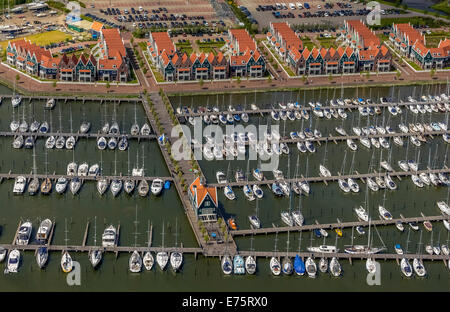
(77, 135)
(337, 225)
(188, 175)
(303, 107)
(360, 176)
(54, 176)
(73, 98)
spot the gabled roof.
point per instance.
(409, 33)
(243, 39)
(364, 33)
(200, 192)
(96, 26)
(114, 43)
(287, 36)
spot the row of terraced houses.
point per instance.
(361, 51)
(111, 64)
(242, 59)
(412, 44)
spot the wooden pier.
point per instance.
(77, 135)
(72, 98)
(338, 225)
(360, 176)
(54, 176)
(308, 108)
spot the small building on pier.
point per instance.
(203, 200)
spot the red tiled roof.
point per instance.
(364, 33)
(349, 62)
(184, 69)
(314, 64)
(202, 68)
(85, 71)
(332, 63)
(114, 43)
(286, 35)
(96, 26)
(407, 31)
(201, 191)
(243, 39)
(219, 67)
(256, 66)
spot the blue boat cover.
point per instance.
(299, 265)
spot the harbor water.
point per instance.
(136, 214)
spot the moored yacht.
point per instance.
(109, 236)
(44, 229)
(135, 262)
(24, 234)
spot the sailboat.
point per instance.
(66, 259)
(95, 255)
(311, 267)
(227, 265)
(135, 262)
(42, 257)
(162, 257)
(335, 267)
(176, 257)
(287, 267)
(275, 266)
(148, 260)
(250, 262)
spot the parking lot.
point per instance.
(311, 12)
(158, 14)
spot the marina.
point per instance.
(196, 251)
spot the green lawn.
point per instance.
(442, 6)
(43, 39)
(327, 42)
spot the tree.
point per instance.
(269, 79)
(17, 77)
(54, 84)
(432, 72)
(398, 73)
(201, 82)
(238, 79)
(330, 77)
(108, 85)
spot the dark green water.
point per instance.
(325, 204)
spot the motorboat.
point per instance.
(323, 265)
(123, 143)
(254, 221)
(18, 142)
(335, 267)
(398, 249)
(13, 261)
(257, 191)
(83, 170)
(414, 226)
(298, 217)
(24, 233)
(403, 165)
(93, 170)
(286, 266)
(116, 186)
(44, 229)
(162, 258)
(419, 267)
(286, 217)
(380, 181)
(221, 177)
(228, 192)
(109, 237)
(61, 185)
(19, 185)
(66, 262)
(428, 226)
(372, 184)
(340, 130)
(362, 214)
(3, 253)
(360, 230)
(384, 213)
(343, 185)
(276, 189)
(176, 260)
(390, 183)
(42, 257)
(413, 165)
(311, 267)
(258, 174)
(143, 188)
(50, 104)
(29, 142)
(323, 249)
(145, 129)
(95, 257)
(361, 249)
(85, 127)
(354, 187)
(135, 262)
(148, 260)
(129, 186)
(248, 192)
(75, 185)
(324, 172)
(250, 265)
(16, 100)
(44, 128)
(72, 169)
(60, 142)
(371, 266)
(227, 265)
(33, 186)
(34, 127)
(157, 186)
(101, 143)
(102, 185)
(444, 207)
(112, 143)
(351, 144)
(14, 125)
(304, 185)
(416, 180)
(406, 267)
(46, 186)
(70, 142)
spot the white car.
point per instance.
(292, 6)
(319, 6)
(299, 5)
